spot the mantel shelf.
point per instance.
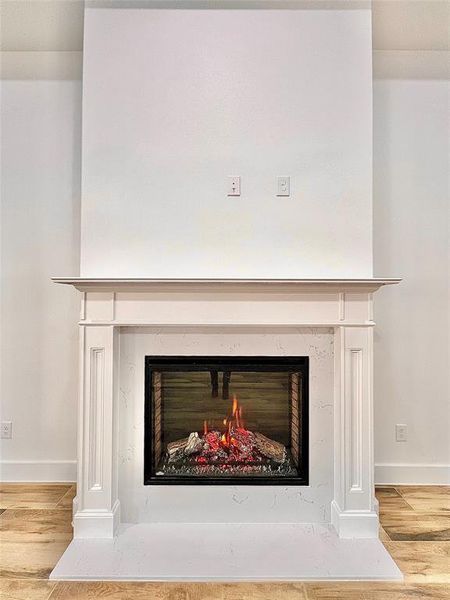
(100, 284)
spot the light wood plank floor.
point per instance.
(35, 529)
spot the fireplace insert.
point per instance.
(226, 420)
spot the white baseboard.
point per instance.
(354, 523)
(96, 523)
(38, 470)
(418, 474)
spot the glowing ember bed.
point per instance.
(224, 420)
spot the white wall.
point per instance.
(40, 227)
(40, 194)
(175, 101)
(411, 218)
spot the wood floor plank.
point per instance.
(423, 490)
(25, 525)
(32, 541)
(393, 503)
(422, 562)
(429, 499)
(67, 500)
(178, 591)
(32, 495)
(25, 589)
(375, 591)
(386, 491)
(109, 590)
(384, 536)
(31, 560)
(263, 591)
(416, 526)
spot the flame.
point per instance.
(231, 423)
(229, 443)
(236, 413)
(226, 437)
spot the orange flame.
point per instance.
(235, 405)
(226, 437)
(241, 420)
(234, 422)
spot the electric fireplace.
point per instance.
(222, 420)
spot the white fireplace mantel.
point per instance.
(226, 302)
(85, 284)
(108, 305)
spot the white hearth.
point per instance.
(125, 529)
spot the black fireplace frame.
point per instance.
(221, 363)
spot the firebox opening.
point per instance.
(222, 420)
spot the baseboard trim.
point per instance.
(354, 523)
(412, 474)
(96, 523)
(32, 471)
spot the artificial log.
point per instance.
(270, 448)
(177, 446)
(189, 445)
(194, 444)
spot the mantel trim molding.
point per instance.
(226, 302)
(103, 284)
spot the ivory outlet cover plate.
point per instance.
(234, 186)
(283, 186)
(401, 432)
(6, 430)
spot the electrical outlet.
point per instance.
(283, 186)
(6, 430)
(234, 186)
(401, 433)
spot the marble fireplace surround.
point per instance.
(110, 308)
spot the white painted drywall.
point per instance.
(176, 101)
(411, 239)
(40, 194)
(40, 150)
